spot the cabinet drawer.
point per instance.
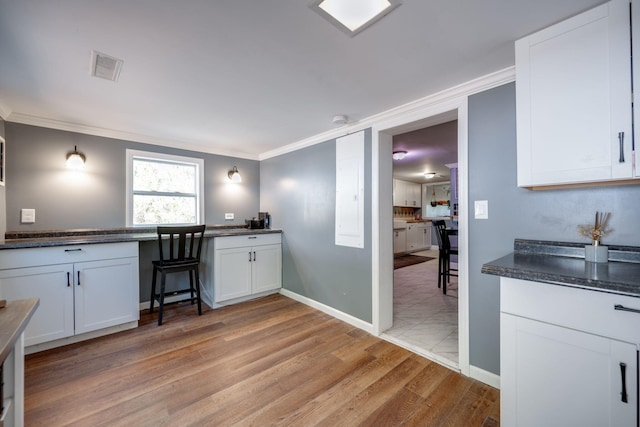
(30, 257)
(580, 309)
(247, 240)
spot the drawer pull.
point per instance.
(623, 373)
(73, 250)
(623, 308)
(253, 237)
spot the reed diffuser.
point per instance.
(595, 252)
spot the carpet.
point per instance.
(407, 260)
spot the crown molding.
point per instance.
(481, 84)
(121, 135)
(5, 111)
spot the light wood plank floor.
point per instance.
(271, 361)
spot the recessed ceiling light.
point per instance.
(354, 16)
(399, 155)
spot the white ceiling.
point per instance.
(244, 76)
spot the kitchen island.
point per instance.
(569, 335)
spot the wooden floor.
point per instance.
(271, 361)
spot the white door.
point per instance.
(556, 376)
(106, 293)
(53, 285)
(232, 273)
(266, 268)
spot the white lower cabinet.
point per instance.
(568, 357)
(399, 240)
(96, 288)
(418, 236)
(246, 265)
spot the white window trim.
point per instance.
(168, 157)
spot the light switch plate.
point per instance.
(481, 209)
(28, 216)
(228, 216)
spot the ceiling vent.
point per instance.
(105, 66)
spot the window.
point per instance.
(163, 189)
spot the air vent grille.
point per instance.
(105, 66)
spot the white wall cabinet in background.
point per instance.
(246, 265)
(406, 193)
(573, 99)
(81, 288)
(567, 356)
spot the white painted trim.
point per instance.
(353, 321)
(126, 136)
(5, 111)
(151, 155)
(480, 84)
(486, 377)
(82, 337)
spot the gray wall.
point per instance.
(95, 197)
(298, 189)
(520, 213)
(3, 197)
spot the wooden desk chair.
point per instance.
(444, 254)
(185, 245)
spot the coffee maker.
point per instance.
(266, 217)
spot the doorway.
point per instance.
(383, 309)
(425, 311)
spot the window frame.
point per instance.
(170, 158)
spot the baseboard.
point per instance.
(81, 337)
(354, 321)
(483, 376)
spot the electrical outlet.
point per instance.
(228, 216)
(28, 216)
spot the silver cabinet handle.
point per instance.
(621, 307)
(621, 139)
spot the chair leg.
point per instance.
(198, 291)
(439, 269)
(153, 290)
(191, 288)
(161, 298)
(445, 275)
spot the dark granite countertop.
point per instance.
(564, 264)
(41, 239)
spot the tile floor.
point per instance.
(424, 320)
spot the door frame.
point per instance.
(382, 213)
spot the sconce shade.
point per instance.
(75, 159)
(399, 155)
(234, 175)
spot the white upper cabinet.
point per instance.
(406, 193)
(573, 99)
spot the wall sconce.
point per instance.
(399, 155)
(234, 175)
(75, 159)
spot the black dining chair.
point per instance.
(184, 247)
(445, 251)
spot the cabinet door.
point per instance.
(573, 89)
(400, 193)
(266, 268)
(413, 194)
(106, 293)
(425, 236)
(550, 375)
(399, 240)
(232, 273)
(53, 285)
